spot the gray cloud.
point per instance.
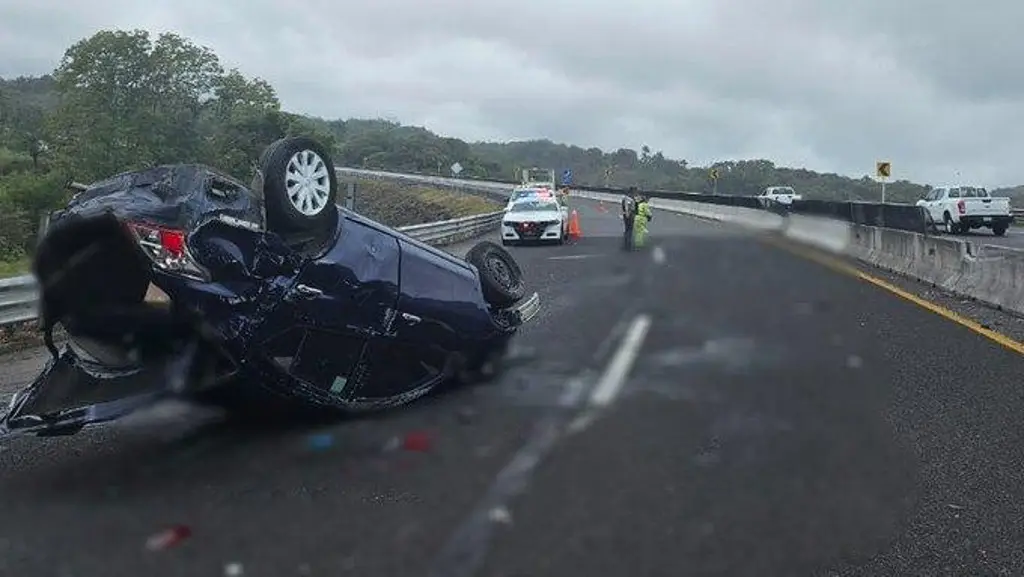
(832, 86)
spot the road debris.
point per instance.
(168, 538)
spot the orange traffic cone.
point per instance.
(574, 226)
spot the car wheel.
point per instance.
(999, 230)
(300, 188)
(501, 279)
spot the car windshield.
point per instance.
(536, 205)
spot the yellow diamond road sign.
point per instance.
(714, 173)
(883, 169)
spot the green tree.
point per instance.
(128, 102)
(241, 119)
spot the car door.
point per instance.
(337, 303)
(925, 202)
(949, 203)
(933, 204)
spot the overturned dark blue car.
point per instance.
(181, 282)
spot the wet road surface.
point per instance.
(713, 405)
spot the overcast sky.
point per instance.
(936, 88)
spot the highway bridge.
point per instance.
(719, 404)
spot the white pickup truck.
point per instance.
(779, 195)
(962, 208)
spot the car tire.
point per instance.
(501, 279)
(999, 230)
(296, 206)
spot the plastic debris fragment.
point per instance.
(393, 444)
(500, 515)
(466, 415)
(321, 441)
(168, 538)
(418, 441)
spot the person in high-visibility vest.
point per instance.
(629, 202)
(643, 216)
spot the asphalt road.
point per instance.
(713, 405)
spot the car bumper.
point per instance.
(526, 310)
(983, 221)
(548, 232)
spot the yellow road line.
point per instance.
(844, 268)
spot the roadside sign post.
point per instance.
(567, 177)
(456, 169)
(607, 177)
(883, 170)
(714, 180)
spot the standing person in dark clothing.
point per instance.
(628, 214)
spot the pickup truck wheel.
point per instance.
(501, 279)
(300, 187)
(947, 221)
(999, 230)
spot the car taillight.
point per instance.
(168, 249)
(961, 206)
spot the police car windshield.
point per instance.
(534, 205)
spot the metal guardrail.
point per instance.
(19, 295)
(17, 299)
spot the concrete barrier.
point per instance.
(955, 265)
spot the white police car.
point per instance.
(538, 217)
